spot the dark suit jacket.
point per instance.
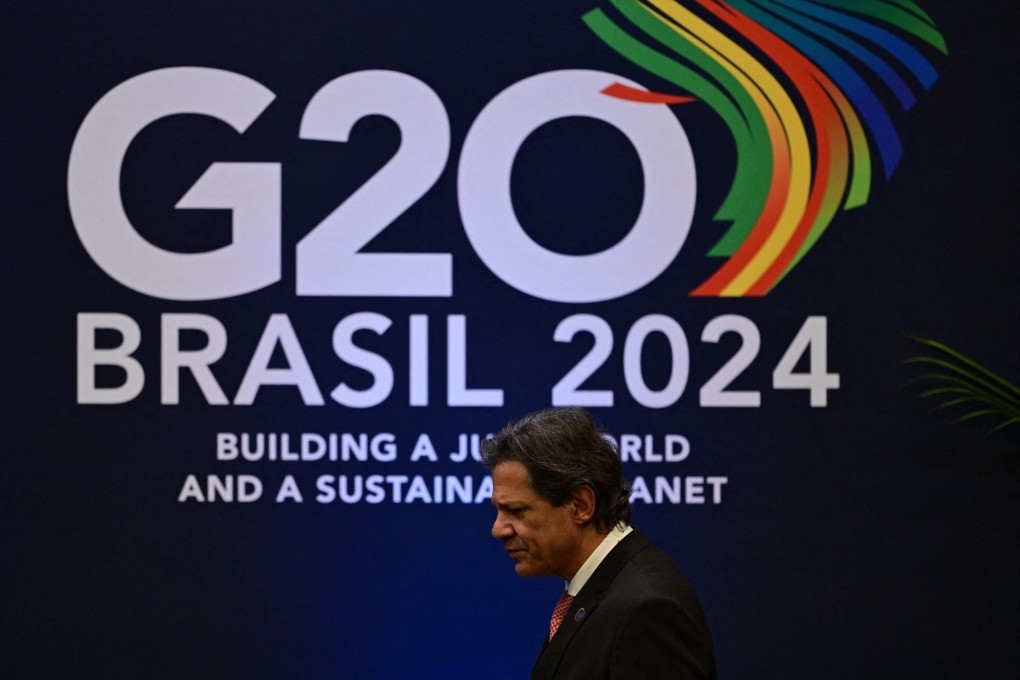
(635, 618)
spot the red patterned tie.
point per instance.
(562, 605)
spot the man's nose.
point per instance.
(501, 529)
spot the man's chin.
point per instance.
(526, 570)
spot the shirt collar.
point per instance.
(618, 533)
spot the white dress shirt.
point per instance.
(574, 585)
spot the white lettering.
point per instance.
(89, 356)
(298, 373)
(289, 491)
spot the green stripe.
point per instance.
(746, 198)
(897, 16)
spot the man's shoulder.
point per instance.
(638, 552)
(648, 575)
(650, 571)
(635, 570)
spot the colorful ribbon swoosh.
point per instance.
(799, 85)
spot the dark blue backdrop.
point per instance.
(863, 539)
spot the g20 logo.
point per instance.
(328, 259)
(799, 106)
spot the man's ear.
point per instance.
(583, 500)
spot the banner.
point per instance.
(275, 270)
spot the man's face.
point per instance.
(542, 539)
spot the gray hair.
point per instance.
(562, 449)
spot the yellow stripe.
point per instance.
(785, 127)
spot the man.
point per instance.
(563, 509)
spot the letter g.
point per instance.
(250, 190)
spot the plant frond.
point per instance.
(967, 377)
(990, 375)
(959, 381)
(1006, 423)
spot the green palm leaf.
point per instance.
(957, 382)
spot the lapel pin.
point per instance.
(579, 615)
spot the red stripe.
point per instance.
(621, 91)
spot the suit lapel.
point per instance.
(585, 603)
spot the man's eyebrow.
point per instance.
(510, 505)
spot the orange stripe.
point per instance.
(771, 212)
